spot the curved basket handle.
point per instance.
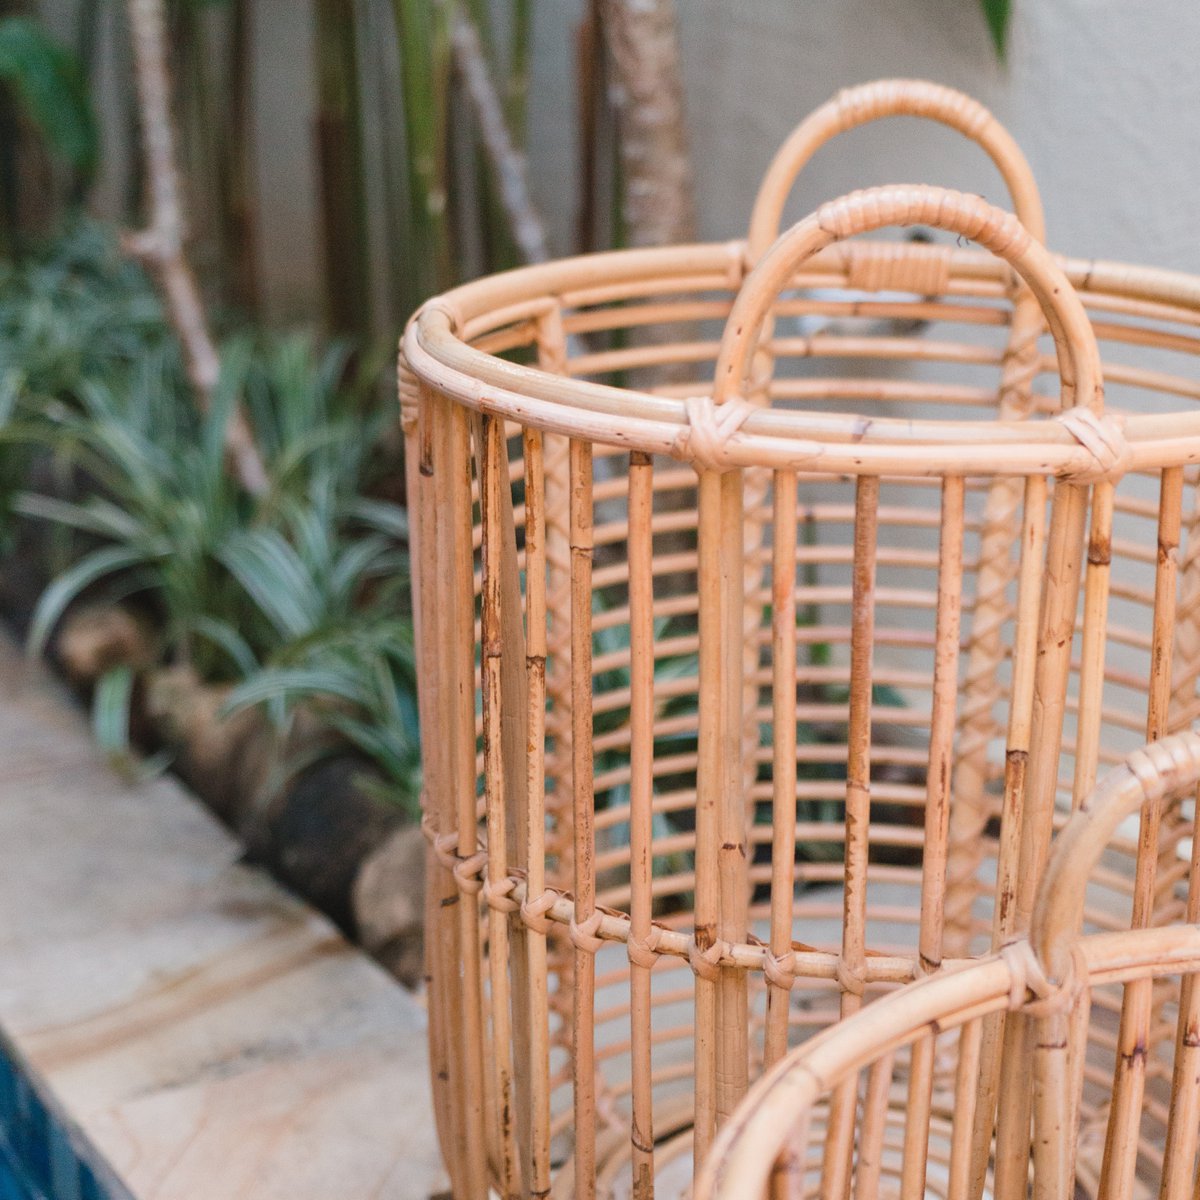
(969, 216)
(1160, 769)
(857, 106)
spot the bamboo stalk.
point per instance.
(341, 168)
(422, 43)
(509, 167)
(590, 108)
(516, 87)
(238, 208)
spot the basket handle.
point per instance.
(868, 102)
(969, 216)
(1158, 770)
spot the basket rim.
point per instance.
(435, 348)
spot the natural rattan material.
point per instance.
(1100, 1094)
(754, 672)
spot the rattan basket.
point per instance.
(855, 1111)
(755, 674)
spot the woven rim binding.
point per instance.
(436, 350)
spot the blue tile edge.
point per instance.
(41, 1146)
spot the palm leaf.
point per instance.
(53, 602)
(110, 726)
(97, 516)
(273, 575)
(224, 636)
(291, 683)
(998, 13)
(49, 85)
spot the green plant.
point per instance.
(298, 591)
(361, 682)
(327, 570)
(163, 503)
(168, 518)
(49, 84)
(75, 309)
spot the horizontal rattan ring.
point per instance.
(508, 893)
(437, 350)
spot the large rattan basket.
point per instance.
(775, 603)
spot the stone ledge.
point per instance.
(209, 1034)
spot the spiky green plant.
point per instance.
(75, 309)
(162, 507)
(361, 682)
(298, 589)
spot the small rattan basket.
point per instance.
(775, 603)
(850, 1112)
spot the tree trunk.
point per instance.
(643, 43)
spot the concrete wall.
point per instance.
(1103, 95)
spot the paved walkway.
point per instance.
(213, 1037)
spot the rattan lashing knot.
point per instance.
(1027, 976)
(585, 934)
(897, 267)
(535, 911)
(1103, 437)
(706, 962)
(466, 870)
(851, 978)
(705, 437)
(643, 952)
(498, 894)
(780, 969)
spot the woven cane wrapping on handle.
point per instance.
(968, 216)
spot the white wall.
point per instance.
(1103, 95)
